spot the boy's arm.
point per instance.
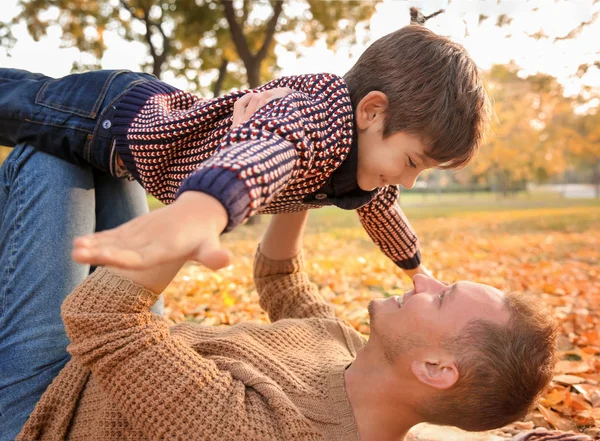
(255, 162)
(284, 289)
(277, 145)
(387, 225)
(144, 242)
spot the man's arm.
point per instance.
(160, 384)
(284, 289)
(389, 228)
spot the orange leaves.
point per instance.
(551, 252)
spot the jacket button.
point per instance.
(106, 124)
(320, 196)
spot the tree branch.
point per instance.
(237, 35)
(575, 32)
(417, 17)
(270, 31)
(246, 12)
(158, 60)
(148, 36)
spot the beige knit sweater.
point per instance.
(133, 378)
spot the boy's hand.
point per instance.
(188, 229)
(251, 102)
(421, 269)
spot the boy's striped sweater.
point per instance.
(293, 154)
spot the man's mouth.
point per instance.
(399, 300)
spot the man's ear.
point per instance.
(373, 106)
(435, 373)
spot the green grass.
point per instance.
(522, 212)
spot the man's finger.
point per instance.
(239, 109)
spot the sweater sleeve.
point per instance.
(165, 388)
(285, 291)
(258, 159)
(387, 225)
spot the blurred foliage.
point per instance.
(194, 37)
(537, 133)
(552, 252)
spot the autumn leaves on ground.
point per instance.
(547, 245)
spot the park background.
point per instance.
(524, 215)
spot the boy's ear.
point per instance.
(371, 108)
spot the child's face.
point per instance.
(398, 159)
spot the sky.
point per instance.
(487, 43)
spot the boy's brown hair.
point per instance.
(502, 368)
(434, 88)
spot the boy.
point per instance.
(413, 101)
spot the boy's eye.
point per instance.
(412, 164)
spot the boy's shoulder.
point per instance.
(316, 83)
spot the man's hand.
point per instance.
(188, 229)
(251, 102)
(421, 269)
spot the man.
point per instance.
(466, 355)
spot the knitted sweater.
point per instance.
(133, 378)
(287, 157)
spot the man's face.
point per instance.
(396, 160)
(431, 312)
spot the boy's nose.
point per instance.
(408, 180)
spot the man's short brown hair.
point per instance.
(502, 368)
(434, 88)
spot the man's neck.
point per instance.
(378, 416)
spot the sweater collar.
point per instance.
(344, 176)
(340, 406)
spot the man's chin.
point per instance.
(371, 310)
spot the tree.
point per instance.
(7, 40)
(529, 140)
(586, 148)
(232, 40)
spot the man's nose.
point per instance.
(425, 283)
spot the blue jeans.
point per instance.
(44, 204)
(66, 117)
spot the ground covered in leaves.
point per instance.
(550, 248)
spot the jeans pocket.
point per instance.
(78, 94)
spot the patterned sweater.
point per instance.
(287, 157)
(133, 378)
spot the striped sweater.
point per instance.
(293, 154)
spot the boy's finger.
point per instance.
(212, 255)
(252, 105)
(109, 256)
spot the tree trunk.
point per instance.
(221, 77)
(157, 68)
(253, 73)
(596, 179)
